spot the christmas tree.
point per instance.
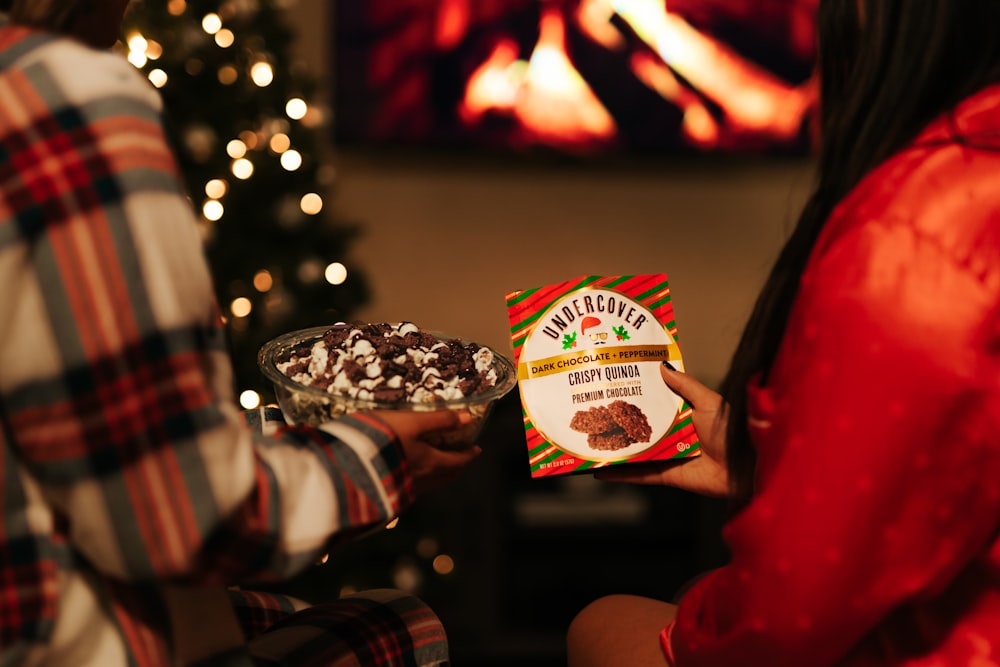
(252, 148)
(251, 145)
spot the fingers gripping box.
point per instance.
(588, 354)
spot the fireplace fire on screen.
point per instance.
(583, 77)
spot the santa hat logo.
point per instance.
(589, 323)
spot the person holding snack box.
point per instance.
(857, 432)
(135, 493)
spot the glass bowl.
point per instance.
(304, 404)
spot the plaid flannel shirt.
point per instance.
(126, 463)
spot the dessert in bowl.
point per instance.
(322, 373)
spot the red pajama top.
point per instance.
(872, 538)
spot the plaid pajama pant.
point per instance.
(376, 628)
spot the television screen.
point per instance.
(580, 77)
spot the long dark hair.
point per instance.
(887, 68)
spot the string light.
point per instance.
(216, 188)
(280, 143)
(225, 38)
(242, 169)
(336, 273)
(262, 74)
(311, 204)
(137, 50)
(228, 75)
(262, 281)
(291, 160)
(154, 50)
(249, 137)
(213, 210)
(250, 400)
(236, 149)
(241, 307)
(296, 108)
(211, 23)
(443, 564)
(137, 42)
(158, 78)
(176, 7)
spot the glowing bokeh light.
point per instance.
(225, 38)
(263, 281)
(228, 75)
(213, 210)
(249, 137)
(311, 204)
(443, 564)
(291, 160)
(296, 108)
(158, 78)
(250, 400)
(280, 143)
(137, 43)
(137, 58)
(236, 149)
(241, 307)
(242, 169)
(335, 274)
(262, 74)
(216, 188)
(211, 23)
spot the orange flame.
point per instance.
(751, 98)
(594, 18)
(557, 104)
(553, 103)
(453, 21)
(547, 95)
(494, 84)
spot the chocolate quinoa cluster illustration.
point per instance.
(613, 426)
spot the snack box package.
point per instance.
(588, 354)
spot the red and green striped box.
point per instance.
(588, 353)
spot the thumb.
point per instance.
(684, 385)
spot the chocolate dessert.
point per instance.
(612, 427)
(391, 364)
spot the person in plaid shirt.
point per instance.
(136, 495)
